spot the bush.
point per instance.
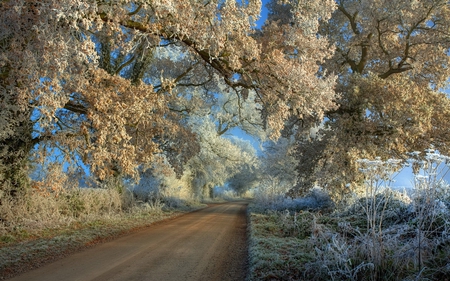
(316, 200)
(54, 209)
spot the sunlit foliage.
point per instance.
(104, 80)
(392, 62)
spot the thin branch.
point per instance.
(123, 65)
(74, 107)
(135, 11)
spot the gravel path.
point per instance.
(209, 244)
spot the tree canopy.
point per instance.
(114, 82)
(119, 85)
(392, 61)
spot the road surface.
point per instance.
(209, 244)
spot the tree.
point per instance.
(213, 111)
(85, 76)
(35, 47)
(219, 159)
(278, 162)
(392, 62)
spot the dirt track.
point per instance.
(209, 244)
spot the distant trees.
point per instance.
(219, 160)
(278, 162)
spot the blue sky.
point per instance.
(237, 132)
(264, 13)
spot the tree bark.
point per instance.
(14, 160)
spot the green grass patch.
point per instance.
(279, 245)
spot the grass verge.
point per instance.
(22, 249)
(307, 245)
(277, 251)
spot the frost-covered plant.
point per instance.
(271, 193)
(385, 234)
(296, 224)
(430, 199)
(43, 209)
(402, 233)
(337, 258)
(378, 177)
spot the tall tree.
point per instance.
(35, 74)
(392, 62)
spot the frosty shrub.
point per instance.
(386, 234)
(45, 209)
(430, 206)
(227, 194)
(271, 193)
(335, 260)
(316, 199)
(157, 187)
(55, 199)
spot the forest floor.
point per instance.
(208, 243)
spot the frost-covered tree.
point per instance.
(392, 62)
(278, 162)
(231, 111)
(220, 158)
(83, 75)
(246, 179)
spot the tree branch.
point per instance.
(76, 107)
(351, 18)
(394, 71)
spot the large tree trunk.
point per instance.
(14, 160)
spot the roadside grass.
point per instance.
(275, 253)
(31, 236)
(307, 245)
(382, 234)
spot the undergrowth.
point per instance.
(382, 234)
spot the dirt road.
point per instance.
(209, 244)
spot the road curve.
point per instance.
(209, 244)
